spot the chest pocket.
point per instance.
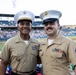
(17, 55)
(56, 54)
(34, 52)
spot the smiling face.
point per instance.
(51, 28)
(24, 27)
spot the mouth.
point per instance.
(49, 28)
(25, 30)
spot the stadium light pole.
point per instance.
(14, 3)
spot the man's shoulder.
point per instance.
(13, 39)
(64, 38)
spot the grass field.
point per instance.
(1, 45)
(41, 40)
(73, 38)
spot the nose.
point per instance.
(24, 25)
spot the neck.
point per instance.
(25, 37)
(53, 36)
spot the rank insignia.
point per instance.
(56, 50)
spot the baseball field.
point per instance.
(1, 45)
(41, 40)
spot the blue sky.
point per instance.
(67, 7)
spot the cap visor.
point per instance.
(24, 20)
(49, 20)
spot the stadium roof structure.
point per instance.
(12, 15)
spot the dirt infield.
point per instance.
(73, 38)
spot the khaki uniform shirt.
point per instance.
(22, 57)
(56, 57)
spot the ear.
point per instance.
(58, 26)
(18, 26)
(31, 26)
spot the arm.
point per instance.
(5, 57)
(75, 71)
(73, 56)
(3, 67)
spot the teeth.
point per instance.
(48, 29)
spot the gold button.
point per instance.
(17, 59)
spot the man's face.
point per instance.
(24, 27)
(51, 28)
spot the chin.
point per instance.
(49, 33)
(25, 33)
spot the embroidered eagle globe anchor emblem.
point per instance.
(24, 12)
(35, 47)
(46, 13)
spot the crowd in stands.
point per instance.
(68, 32)
(6, 23)
(11, 23)
(36, 33)
(6, 34)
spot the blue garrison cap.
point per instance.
(50, 15)
(24, 15)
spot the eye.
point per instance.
(24, 23)
(46, 24)
(28, 23)
(49, 23)
(21, 23)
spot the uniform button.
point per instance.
(18, 59)
(46, 63)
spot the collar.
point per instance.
(57, 40)
(19, 39)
